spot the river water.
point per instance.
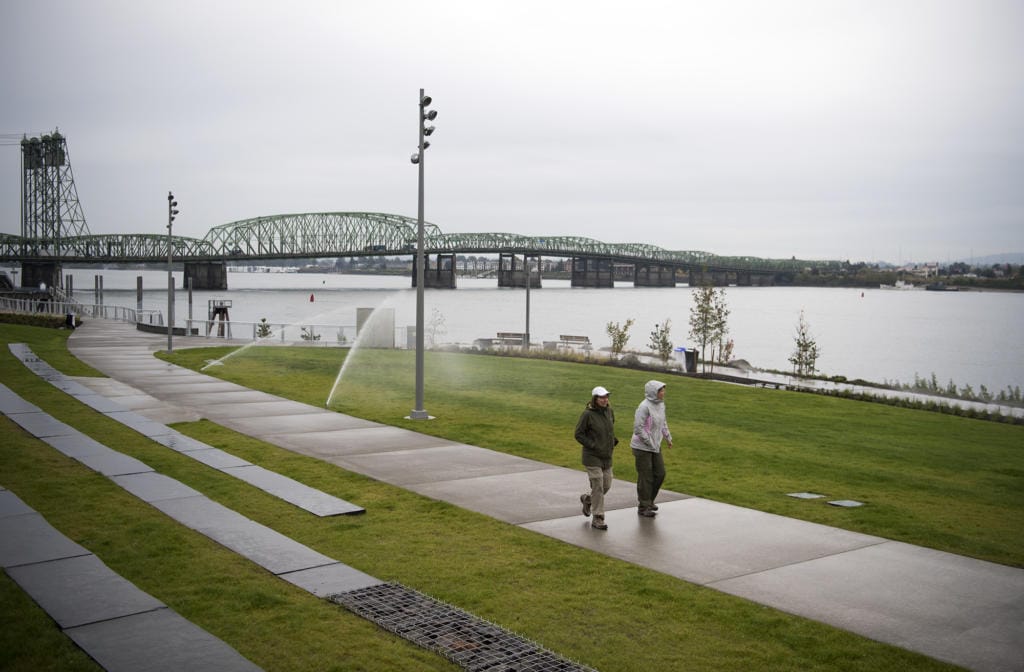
(972, 338)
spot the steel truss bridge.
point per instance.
(352, 234)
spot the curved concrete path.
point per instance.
(965, 611)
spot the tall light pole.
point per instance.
(418, 158)
(172, 210)
(526, 336)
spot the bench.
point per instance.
(574, 341)
(507, 338)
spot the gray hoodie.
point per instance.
(649, 423)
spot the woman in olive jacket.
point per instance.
(595, 431)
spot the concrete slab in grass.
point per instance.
(323, 421)
(12, 505)
(374, 439)
(41, 425)
(264, 546)
(703, 541)
(217, 458)
(157, 641)
(65, 384)
(140, 423)
(548, 492)
(180, 442)
(80, 590)
(29, 538)
(76, 445)
(113, 463)
(331, 579)
(441, 463)
(153, 487)
(11, 402)
(98, 402)
(315, 501)
(949, 607)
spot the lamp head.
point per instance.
(415, 158)
(425, 100)
(431, 115)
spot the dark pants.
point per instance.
(650, 474)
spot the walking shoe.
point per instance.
(645, 512)
(654, 507)
(598, 524)
(585, 500)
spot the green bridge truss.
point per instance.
(344, 234)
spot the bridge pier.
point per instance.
(592, 272)
(441, 276)
(206, 274)
(510, 274)
(34, 273)
(653, 275)
(714, 278)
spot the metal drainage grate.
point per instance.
(466, 640)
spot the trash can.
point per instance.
(69, 320)
(691, 360)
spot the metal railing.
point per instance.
(268, 332)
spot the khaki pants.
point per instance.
(600, 483)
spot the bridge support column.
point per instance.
(206, 274)
(34, 273)
(713, 278)
(440, 275)
(653, 275)
(591, 272)
(513, 274)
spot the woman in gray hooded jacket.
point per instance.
(649, 428)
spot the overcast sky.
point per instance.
(848, 129)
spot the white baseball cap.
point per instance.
(600, 392)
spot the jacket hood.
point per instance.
(651, 390)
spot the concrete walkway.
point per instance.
(968, 612)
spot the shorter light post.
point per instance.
(172, 210)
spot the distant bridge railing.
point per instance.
(342, 234)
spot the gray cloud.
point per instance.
(842, 129)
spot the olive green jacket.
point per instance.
(595, 431)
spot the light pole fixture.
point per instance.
(418, 413)
(172, 210)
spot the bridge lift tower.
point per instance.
(50, 210)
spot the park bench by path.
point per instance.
(569, 341)
(509, 338)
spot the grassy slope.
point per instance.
(526, 582)
(935, 480)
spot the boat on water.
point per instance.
(941, 287)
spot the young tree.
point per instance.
(435, 327)
(804, 359)
(709, 317)
(619, 335)
(660, 341)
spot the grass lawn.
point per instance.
(733, 444)
(951, 483)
